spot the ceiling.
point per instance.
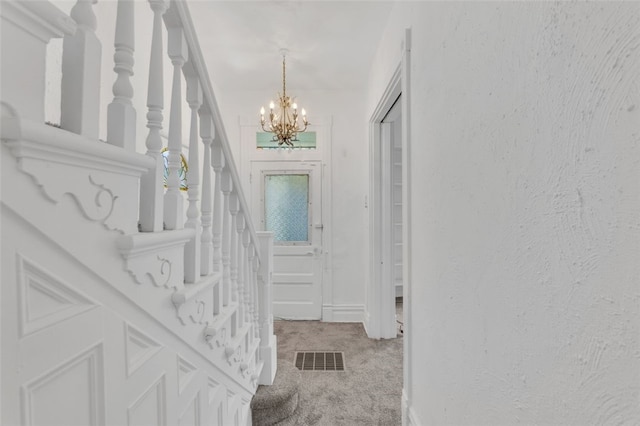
(331, 43)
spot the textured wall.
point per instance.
(526, 211)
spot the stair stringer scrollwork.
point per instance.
(155, 258)
(194, 303)
(101, 180)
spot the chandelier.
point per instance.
(284, 122)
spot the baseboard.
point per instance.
(409, 417)
(366, 321)
(343, 313)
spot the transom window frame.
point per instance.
(305, 141)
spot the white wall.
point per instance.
(525, 163)
(348, 166)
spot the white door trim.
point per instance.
(380, 322)
(380, 309)
(407, 279)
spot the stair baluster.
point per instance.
(218, 162)
(173, 199)
(225, 183)
(206, 250)
(233, 247)
(246, 238)
(151, 184)
(249, 285)
(121, 115)
(241, 268)
(193, 246)
(256, 305)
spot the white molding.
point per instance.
(156, 257)
(407, 353)
(90, 362)
(409, 416)
(39, 18)
(380, 311)
(343, 313)
(39, 141)
(102, 180)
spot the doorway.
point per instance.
(288, 202)
(391, 147)
(387, 211)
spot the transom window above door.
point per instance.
(306, 140)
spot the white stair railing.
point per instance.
(214, 262)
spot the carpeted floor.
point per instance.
(368, 392)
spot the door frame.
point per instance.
(380, 318)
(322, 125)
(260, 169)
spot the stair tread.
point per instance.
(285, 385)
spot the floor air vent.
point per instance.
(320, 361)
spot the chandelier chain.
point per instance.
(284, 84)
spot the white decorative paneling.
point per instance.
(139, 348)
(94, 199)
(44, 299)
(213, 386)
(69, 394)
(156, 257)
(216, 337)
(150, 407)
(195, 302)
(100, 179)
(191, 416)
(186, 373)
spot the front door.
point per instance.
(287, 200)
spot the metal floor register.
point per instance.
(320, 361)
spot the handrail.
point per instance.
(210, 99)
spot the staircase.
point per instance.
(135, 289)
(277, 404)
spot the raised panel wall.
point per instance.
(76, 352)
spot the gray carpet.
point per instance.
(368, 392)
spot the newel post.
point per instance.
(81, 63)
(268, 341)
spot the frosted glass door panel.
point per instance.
(286, 207)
